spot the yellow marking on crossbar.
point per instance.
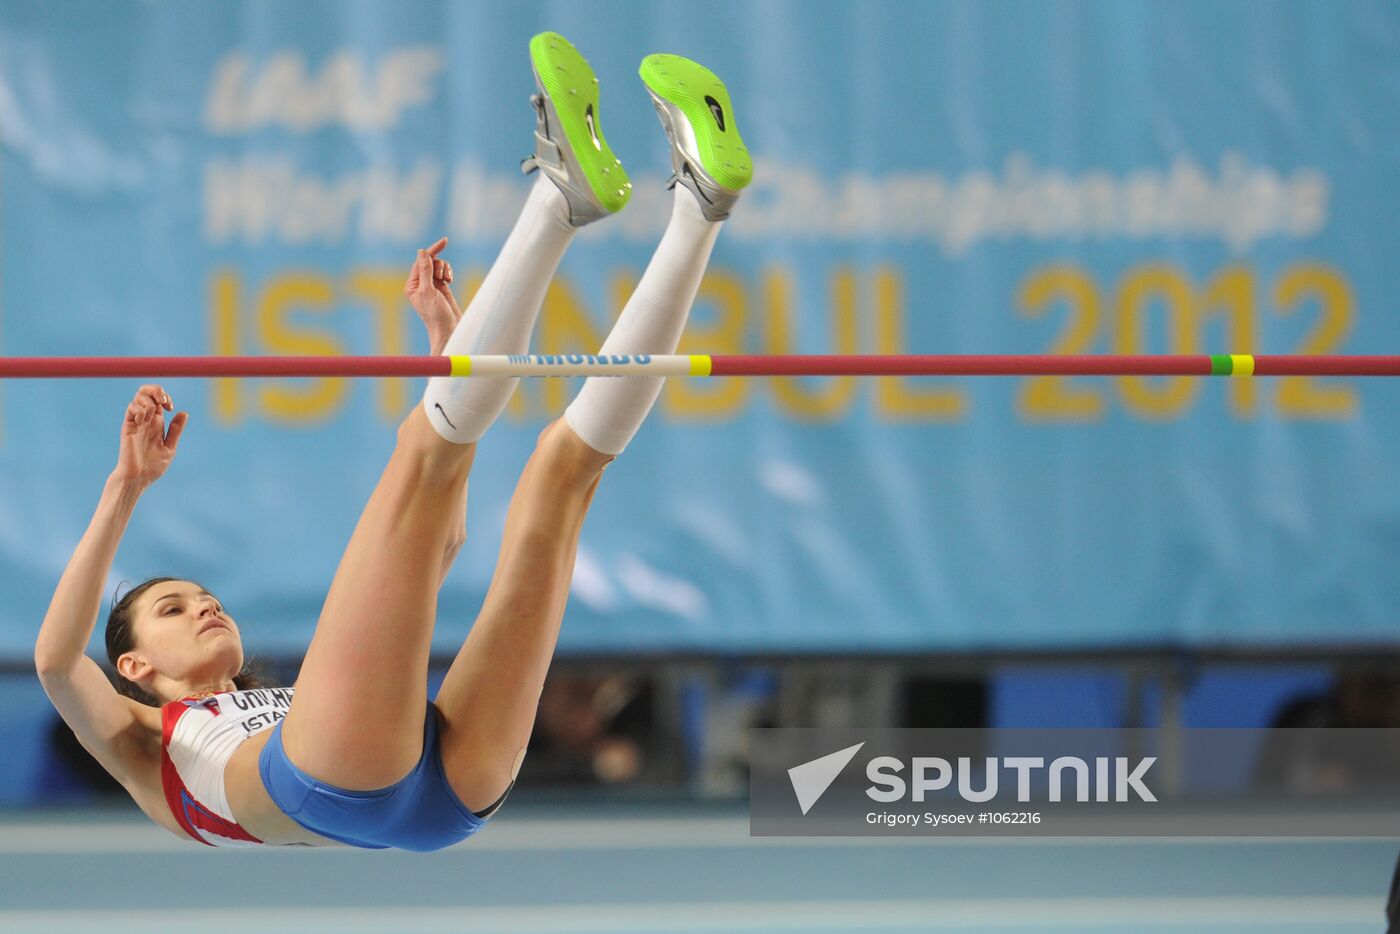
(700, 364)
(461, 365)
(1242, 364)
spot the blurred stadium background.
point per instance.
(997, 177)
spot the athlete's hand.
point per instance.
(147, 448)
(429, 291)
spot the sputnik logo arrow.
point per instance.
(810, 780)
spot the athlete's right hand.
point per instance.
(147, 448)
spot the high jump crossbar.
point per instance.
(703, 365)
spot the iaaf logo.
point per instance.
(1112, 778)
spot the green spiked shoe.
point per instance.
(707, 154)
(569, 144)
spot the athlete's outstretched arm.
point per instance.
(429, 290)
(87, 701)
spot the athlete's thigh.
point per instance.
(356, 720)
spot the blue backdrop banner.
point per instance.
(998, 177)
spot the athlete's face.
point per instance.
(183, 634)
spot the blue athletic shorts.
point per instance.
(419, 812)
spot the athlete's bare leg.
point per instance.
(363, 680)
(489, 697)
(357, 717)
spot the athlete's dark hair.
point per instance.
(121, 638)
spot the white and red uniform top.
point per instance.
(199, 735)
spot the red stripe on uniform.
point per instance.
(189, 813)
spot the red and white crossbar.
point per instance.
(703, 365)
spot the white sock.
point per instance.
(609, 410)
(501, 316)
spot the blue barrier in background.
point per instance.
(999, 177)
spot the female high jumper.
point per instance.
(348, 755)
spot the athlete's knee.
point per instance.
(419, 442)
(568, 456)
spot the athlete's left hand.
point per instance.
(429, 291)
